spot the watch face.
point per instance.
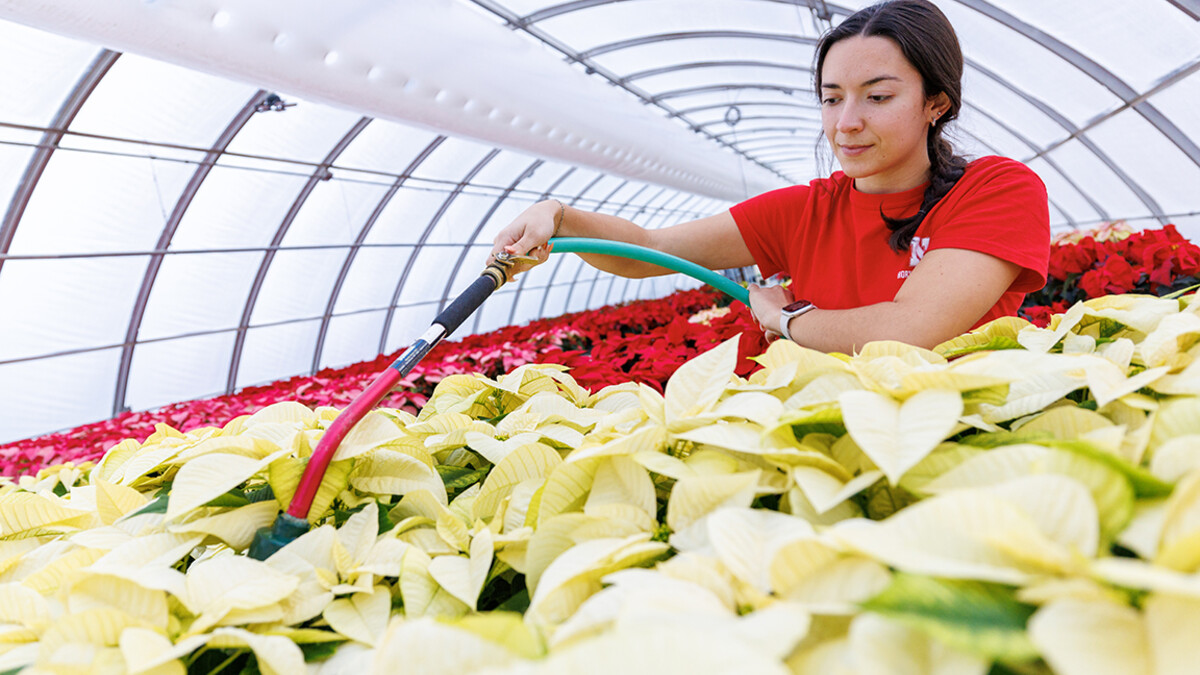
(796, 306)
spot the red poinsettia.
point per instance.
(644, 341)
(1115, 259)
(1113, 274)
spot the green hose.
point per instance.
(623, 250)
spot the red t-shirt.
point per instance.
(832, 241)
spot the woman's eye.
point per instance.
(880, 98)
(829, 101)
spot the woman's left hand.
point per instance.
(767, 303)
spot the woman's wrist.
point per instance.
(560, 215)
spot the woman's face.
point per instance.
(875, 114)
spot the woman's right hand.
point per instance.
(528, 234)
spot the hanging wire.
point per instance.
(733, 115)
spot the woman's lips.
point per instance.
(853, 150)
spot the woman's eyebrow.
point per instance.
(873, 80)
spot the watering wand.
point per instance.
(294, 522)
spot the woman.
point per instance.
(889, 79)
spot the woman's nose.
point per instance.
(849, 118)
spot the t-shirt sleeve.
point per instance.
(765, 222)
(1004, 214)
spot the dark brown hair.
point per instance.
(928, 41)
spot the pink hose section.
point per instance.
(310, 482)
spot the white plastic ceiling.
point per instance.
(167, 235)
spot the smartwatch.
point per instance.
(791, 311)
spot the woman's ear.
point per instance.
(936, 106)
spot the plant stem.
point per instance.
(226, 662)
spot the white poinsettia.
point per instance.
(897, 436)
(898, 510)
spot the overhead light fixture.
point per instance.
(273, 103)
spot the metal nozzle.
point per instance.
(509, 259)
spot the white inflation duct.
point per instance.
(441, 64)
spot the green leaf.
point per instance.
(232, 499)
(157, 505)
(884, 500)
(319, 651)
(517, 603)
(1173, 295)
(827, 421)
(973, 616)
(251, 668)
(220, 661)
(995, 344)
(1145, 484)
(385, 520)
(1032, 668)
(260, 494)
(997, 439)
(459, 478)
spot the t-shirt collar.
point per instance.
(893, 203)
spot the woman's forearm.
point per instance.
(580, 223)
(847, 330)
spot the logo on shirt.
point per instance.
(917, 250)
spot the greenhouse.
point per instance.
(243, 430)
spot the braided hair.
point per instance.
(926, 38)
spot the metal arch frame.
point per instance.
(1175, 76)
(592, 288)
(1070, 128)
(759, 118)
(773, 139)
(777, 144)
(691, 35)
(592, 68)
(1062, 50)
(363, 233)
(1188, 7)
(989, 146)
(1129, 97)
(1100, 210)
(789, 162)
(753, 132)
(744, 104)
(1116, 85)
(559, 262)
(626, 205)
(555, 272)
(697, 65)
(1093, 70)
(782, 154)
(596, 279)
(63, 118)
(641, 209)
(462, 256)
(512, 311)
(642, 282)
(714, 88)
(781, 150)
(577, 5)
(420, 245)
(320, 173)
(164, 242)
(597, 207)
